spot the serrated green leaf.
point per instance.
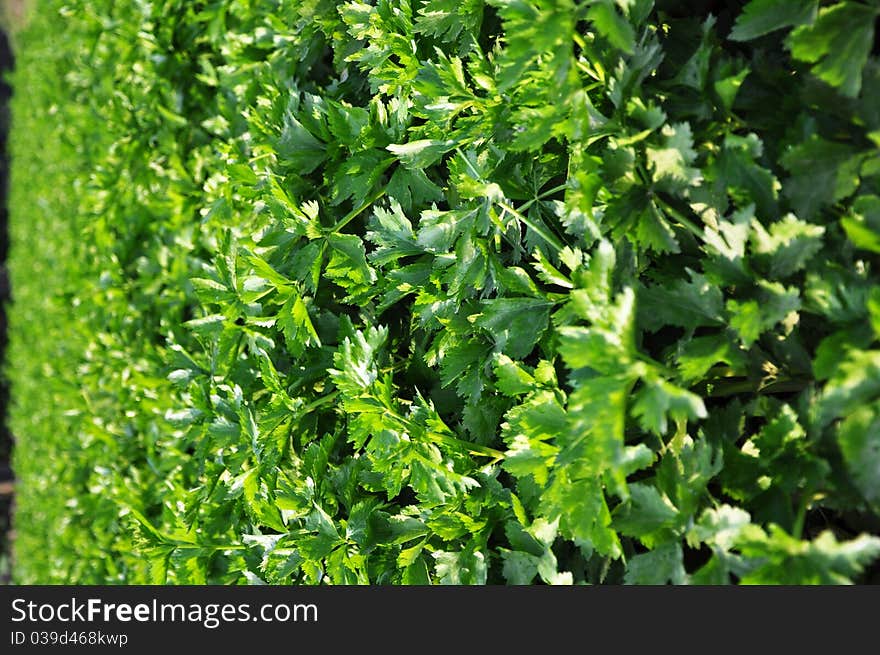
(421, 153)
(658, 399)
(781, 559)
(646, 513)
(863, 227)
(859, 439)
(837, 44)
(687, 303)
(787, 246)
(513, 380)
(657, 567)
(822, 172)
(612, 25)
(761, 17)
(515, 324)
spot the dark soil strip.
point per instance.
(6, 478)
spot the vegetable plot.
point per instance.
(517, 291)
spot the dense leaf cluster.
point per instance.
(505, 291)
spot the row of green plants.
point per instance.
(418, 292)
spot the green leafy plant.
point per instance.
(517, 291)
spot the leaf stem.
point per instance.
(677, 215)
(472, 448)
(729, 387)
(540, 231)
(354, 213)
(315, 404)
(797, 530)
(542, 195)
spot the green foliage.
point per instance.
(516, 291)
